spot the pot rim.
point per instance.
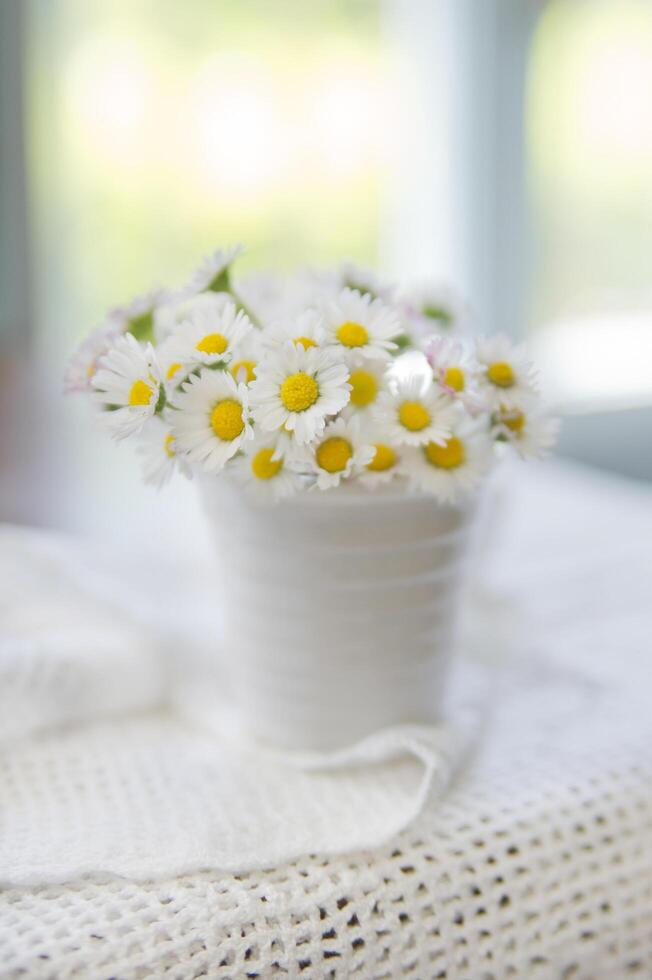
(397, 492)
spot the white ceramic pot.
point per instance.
(339, 609)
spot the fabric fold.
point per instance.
(97, 781)
(149, 796)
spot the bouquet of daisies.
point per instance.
(295, 383)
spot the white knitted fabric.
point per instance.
(66, 644)
(537, 863)
(176, 789)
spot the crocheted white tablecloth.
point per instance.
(536, 864)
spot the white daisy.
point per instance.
(183, 306)
(506, 376)
(214, 271)
(288, 444)
(210, 334)
(452, 469)
(128, 386)
(265, 294)
(264, 470)
(358, 325)
(436, 307)
(338, 453)
(246, 356)
(137, 316)
(209, 419)
(367, 379)
(414, 412)
(157, 449)
(276, 298)
(306, 329)
(173, 371)
(298, 389)
(455, 370)
(385, 463)
(426, 311)
(84, 362)
(328, 283)
(364, 280)
(531, 435)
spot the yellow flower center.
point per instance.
(384, 459)
(172, 370)
(305, 342)
(500, 373)
(299, 391)
(454, 378)
(169, 444)
(263, 466)
(448, 456)
(364, 388)
(226, 419)
(140, 393)
(514, 420)
(213, 343)
(352, 334)
(333, 454)
(246, 368)
(414, 416)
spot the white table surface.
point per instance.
(537, 864)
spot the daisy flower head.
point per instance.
(210, 419)
(454, 369)
(214, 271)
(84, 362)
(413, 412)
(385, 464)
(531, 434)
(364, 280)
(158, 451)
(265, 470)
(127, 386)
(210, 334)
(360, 326)
(265, 294)
(452, 469)
(439, 306)
(173, 371)
(297, 389)
(506, 376)
(246, 356)
(328, 283)
(137, 316)
(340, 452)
(428, 310)
(275, 298)
(367, 379)
(306, 329)
(184, 306)
(288, 444)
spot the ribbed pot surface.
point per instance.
(339, 609)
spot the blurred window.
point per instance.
(504, 146)
(589, 156)
(159, 130)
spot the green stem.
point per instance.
(245, 309)
(142, 327)
(160, 404)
